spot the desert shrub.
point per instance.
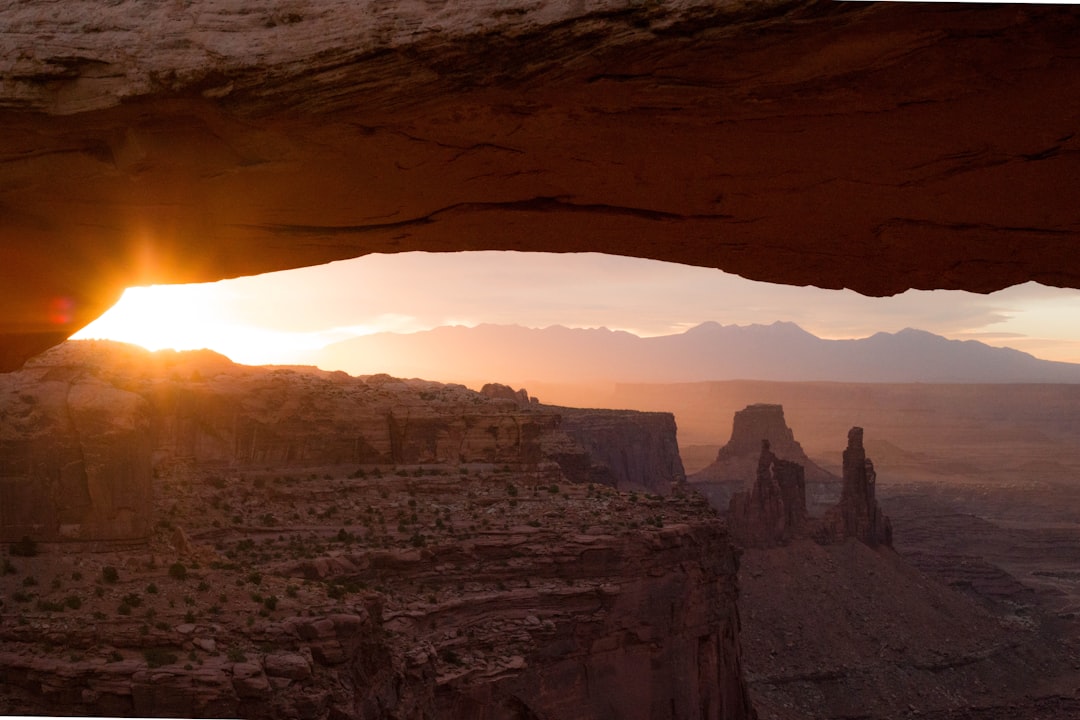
(178, 571)
(25, 547)
(449, 655)
(254, 578)
(157, 657)
(235, 654)
(8, 568)
(29, 581)
(189, 617)
(48, 606)
(123, 609)
(151, 589)
(109, 574)
(73, 601)
(21, 597)
(270, 602)
(115, 656)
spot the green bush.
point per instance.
(177, 571)
(110, 575)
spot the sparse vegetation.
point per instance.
(110, 575)
(25, 547)
(158, 657)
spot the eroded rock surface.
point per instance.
(872, 146)
(387, 593)
(83, 426)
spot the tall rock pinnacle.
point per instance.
(858, 514)
(775, 509)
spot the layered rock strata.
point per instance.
(436, 595)
(213, 138)
(88, 423)
(774, 510)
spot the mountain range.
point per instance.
(710, 351)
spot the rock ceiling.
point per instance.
(877, 147)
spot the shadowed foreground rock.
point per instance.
(874, 146)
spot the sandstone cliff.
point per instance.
(736, 463)
(627, 449)
(74, 457)
(87, 422)
(432, 595)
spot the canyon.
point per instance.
(314, 545)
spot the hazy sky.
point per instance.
(266, 319)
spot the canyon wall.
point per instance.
(87, 423)
(74, 457)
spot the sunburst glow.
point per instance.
(191, 317)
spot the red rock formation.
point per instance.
(774, 510)
(574, 614)
(75, 457)
(89, 420)
(738, 460)
(213, 139)
(626, 449)
(858, 514)
(520, 398)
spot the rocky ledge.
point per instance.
(378, 594)
(85, 426)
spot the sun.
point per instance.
(192, 317)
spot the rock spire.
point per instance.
(775, 509)
(858, 514)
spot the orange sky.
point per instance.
(272, 318)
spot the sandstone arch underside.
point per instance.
(877, 147)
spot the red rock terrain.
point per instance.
(419, 570)
(846, 631)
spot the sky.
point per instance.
(272, 318)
